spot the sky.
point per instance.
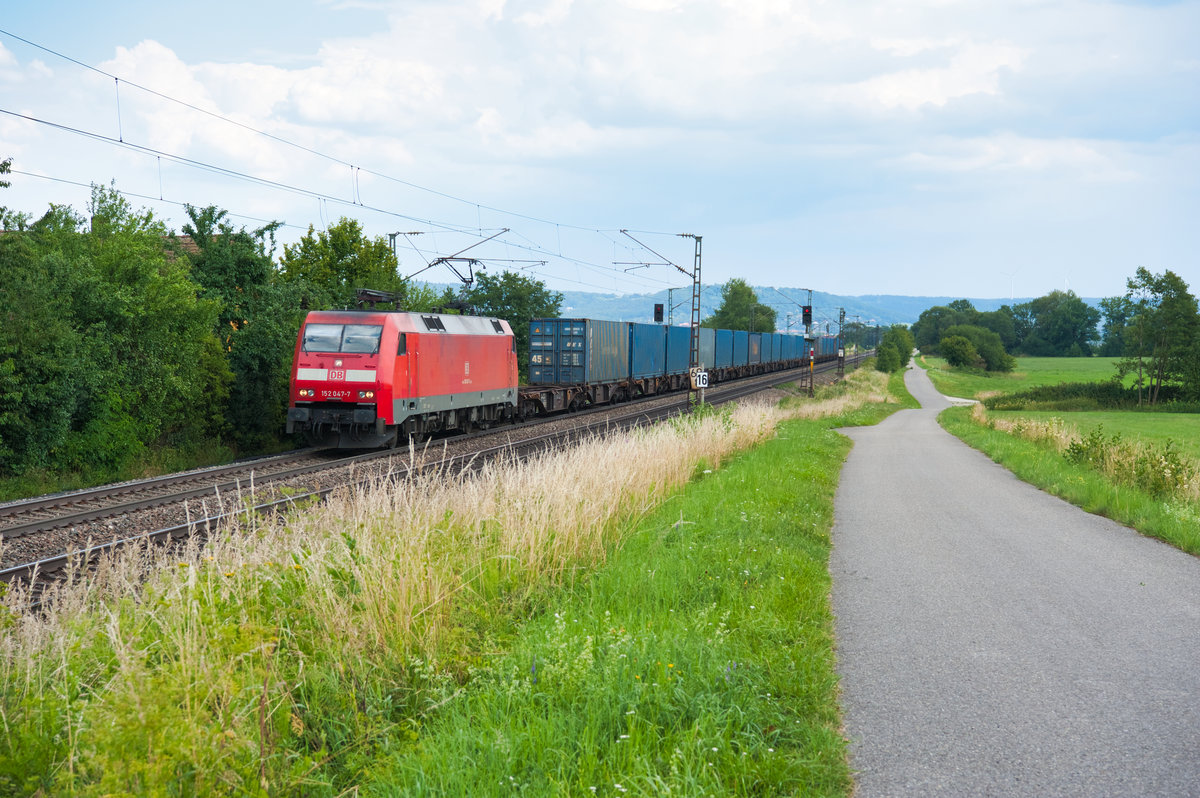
(916, 147)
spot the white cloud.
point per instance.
(749, 109)
(972, 68)
(1006, 154)
(554, 13)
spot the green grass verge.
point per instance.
(1030, 372)
(1171, 521)
(698, 661)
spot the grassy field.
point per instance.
(579, 625)
(1030, 372)
(1182, 430)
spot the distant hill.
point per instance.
(882, 309)
(879, 309)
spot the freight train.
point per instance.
(370, 379)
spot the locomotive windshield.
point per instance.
(351, 338)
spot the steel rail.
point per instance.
(718, 395)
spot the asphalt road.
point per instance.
(995, 640)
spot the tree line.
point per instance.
(120, 338)
(1153, 328)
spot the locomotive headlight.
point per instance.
(307, 392)
(366, 394)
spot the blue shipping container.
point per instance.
(647, 350)
(581, 350)
(543, 354)
(679, 349)
(724, 353)
(791, 347)
(741, 348)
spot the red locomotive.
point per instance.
(368, 378)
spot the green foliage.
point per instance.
(105, 349)
(518, 300)
(257, 324)
(1160, 471)
(39, 358)
(339, 260)
(987, 345)
(959, 351)
(1082, 396)
(887, 359)
(900, 339)
(1059, 324)
(741, 310)
(1162, 336)
(1117, 312)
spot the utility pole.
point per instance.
(811, 341)
(698, 377)
(841, 343)
(696, 394)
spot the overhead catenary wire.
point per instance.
(323, 198)
(282, 140)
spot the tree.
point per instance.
(987, 344)
(1063, 326)
(340, 260)
(898, 339)
(887, 359)
(931, 325)
(959, 351)
(256, 323)
(1003, 324)
(741, 310)
(1161, 338)
(38, 357)
(157, 333)
(518, 300)
(1117, 312)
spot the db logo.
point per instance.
(337, 375)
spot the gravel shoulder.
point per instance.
(995, 640)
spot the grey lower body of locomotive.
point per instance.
(342, 426)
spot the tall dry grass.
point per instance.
(223, 643)
(1157, 469)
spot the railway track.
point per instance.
(92, 523)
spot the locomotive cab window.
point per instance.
(402, 345)
(349, 338)
(362, 339)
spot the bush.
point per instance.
(887, 359)
(959, 351)
(987, 344)
(899, 338)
